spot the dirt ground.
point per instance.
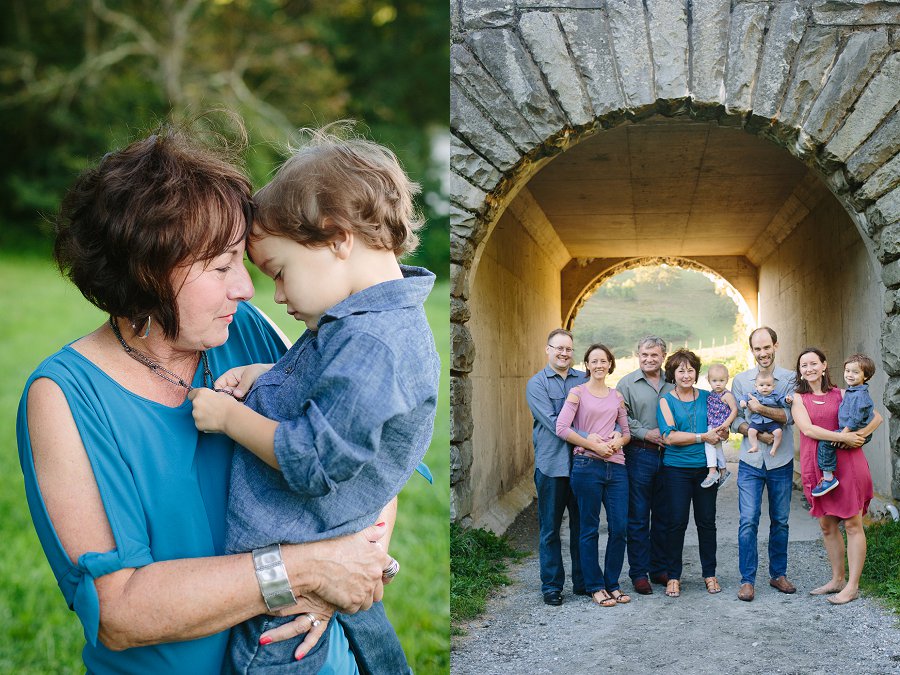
(696, 633)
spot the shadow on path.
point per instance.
(696, 633)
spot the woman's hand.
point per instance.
(852, 439)
(312, 617)
(210, 409)
(710, 437)
(344, 572)
(238, 381)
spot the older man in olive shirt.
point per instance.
(647, 526)
(546, 393)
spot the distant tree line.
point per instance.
(80, 78)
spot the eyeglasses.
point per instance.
(561, 350)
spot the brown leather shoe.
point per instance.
(783, 585)
(642, 586)
(662, 578)
(746, 593)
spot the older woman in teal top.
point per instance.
(128, 499)
(682, 423)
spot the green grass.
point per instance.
(38, 634)
(881, 574)
(478, 565)
(678, 305)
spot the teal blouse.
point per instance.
(163, 486)
(690, 417)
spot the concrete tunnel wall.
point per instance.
(820, 287)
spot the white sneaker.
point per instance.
(710, 480)
(725, 478)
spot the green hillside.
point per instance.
(681, 306)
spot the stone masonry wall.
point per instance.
(530, 78)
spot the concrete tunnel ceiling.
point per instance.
(667, 189)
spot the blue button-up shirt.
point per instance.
(546, 393)
(857, 409)
(355, 401)
(784, 386)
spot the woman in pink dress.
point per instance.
(815, 411)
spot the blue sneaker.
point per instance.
(825, 486)
(724, 478)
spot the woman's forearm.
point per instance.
(177, 600)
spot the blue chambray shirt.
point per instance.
(857, 408)
(546, 394)
(355, 401)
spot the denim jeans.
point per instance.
(596, 482)
(554, 497)
(683, 489)
(370, 635)
(647, 511)
(750, 483)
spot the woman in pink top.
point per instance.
(815, 413)
(598, 473)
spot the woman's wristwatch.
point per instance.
(699, 438)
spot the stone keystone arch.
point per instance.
(531, 79)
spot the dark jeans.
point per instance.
(750, 483)
(372, 639)
(647, 521)
(683, 488)
(554, 497)
(596, 482)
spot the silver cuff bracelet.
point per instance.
(272, 576)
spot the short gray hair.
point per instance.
(653, 341)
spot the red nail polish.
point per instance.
(300, 656)
(381, 524)
(264, 640)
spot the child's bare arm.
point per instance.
(216, 412)
(731, 402)
(238, 381)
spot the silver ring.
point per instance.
(313, 621)
(391, 570)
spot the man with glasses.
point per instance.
(647, 527)
(546, 393)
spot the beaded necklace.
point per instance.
(160, 370)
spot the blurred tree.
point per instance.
(77, 78)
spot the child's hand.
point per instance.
(238, 381)
(210, 409)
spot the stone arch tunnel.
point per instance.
(755, 140)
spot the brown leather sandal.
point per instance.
(620, 597)
(673, 588)
(712, 585)
(603, 599)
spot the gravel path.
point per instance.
(696, 633)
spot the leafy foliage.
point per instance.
(78, 79)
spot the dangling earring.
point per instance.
(146, 330)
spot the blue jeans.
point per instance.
(370, 635)
(683, 489)
(596, 482)
(554, 497)
(647, 522)
(750, 483)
